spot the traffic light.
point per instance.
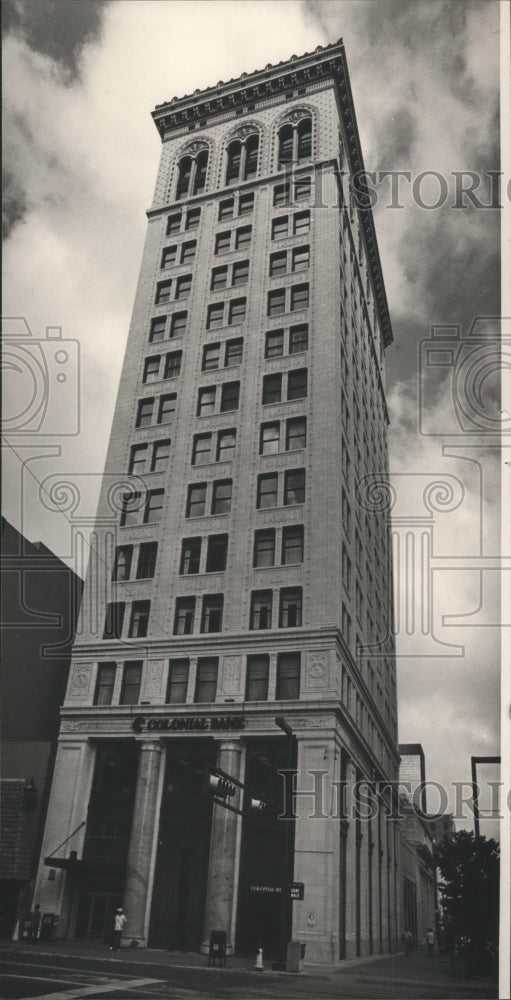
(259, 805)
(221, 787)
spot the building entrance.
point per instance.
(95, 914)
(180, 882)
(266, 868)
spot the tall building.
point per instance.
(40, 598)
(244, 569)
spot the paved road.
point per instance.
(25, 975)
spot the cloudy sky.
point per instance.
(81, 153)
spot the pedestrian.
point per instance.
(430, 940)
(407, 941)
(35, 923)
(119, 922)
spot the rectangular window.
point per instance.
(346, 511)
(292, 544)
(190, 556)
(169, 256)
(145, 412)
(161, 455)
(240, 272)
(166, 407)
(147, 560)
(288, 676)
(260, 609)
(300, 259)
(174, 223)
(298, 338)
(237, 310)
(277, 302)
(246, 204)
(226, 209)
(178, 324)
(152, 368)
(201, 449)
(294, 486)
(196, 502)
(139, 620)
(177, 684)
(192, 218)
(279, 227)
(206, 401)
(233, 352)
(173, 364)
(183, 286)
(131, 682)
(210, 357)
(114, 619)
(212, 612)
(105, 683)
(274, 344)
(290, 615)
(215, 315)
(226, 446)
(299, 297)
(207, 673)
(257, 678)
(153, 507)
(346, 625)
(131, 509)
(303, 189)
(184, 616)
(122, 563)
(217, 553)
(296, 434)
(297, 384)
(222, 496)
(264, 548)
(278, 264)
(163, 292)
(267, 486)
(272, 389)
(243, 237)
(281, 194)
(188, 252)
(301, 223)
(157, 329)
(138, 456)
(230, 396)
(218, 278)
(223, 242)
(269, 442)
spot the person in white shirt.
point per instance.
(430, 940)
(119, 922)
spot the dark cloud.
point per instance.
(14, 205)
(56, 28)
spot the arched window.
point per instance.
(242, 155)
(295, 139)
(192, 173)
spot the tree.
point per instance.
(469, 867)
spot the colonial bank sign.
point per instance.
(182, 723)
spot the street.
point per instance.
(65, 972)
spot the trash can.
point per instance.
(295, 956)
(48, 924)
(217, 947)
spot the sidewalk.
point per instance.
(414, 969)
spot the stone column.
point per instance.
(351, 851)
(223, 860)
(144, 830)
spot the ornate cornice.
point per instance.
(295, 74)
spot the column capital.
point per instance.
(149, 744)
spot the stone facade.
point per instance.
(248, 444)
